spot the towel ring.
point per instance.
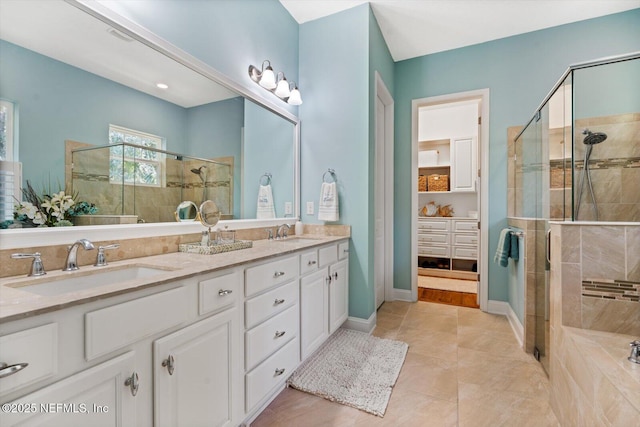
(332, 174)
(268, 176)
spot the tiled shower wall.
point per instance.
(614, 163)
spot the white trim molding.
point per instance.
(403, 295)
(504, 308)
(361, 325)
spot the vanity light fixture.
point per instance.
(276, 83)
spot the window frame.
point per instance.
(160, 164)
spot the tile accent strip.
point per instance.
(611, 289)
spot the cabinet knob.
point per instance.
(169, 363)
(279, 372)
(278, 274)
(6, 370)
(223, 292)
(335, 275)
(132, 383)
(280, 333)
(312, 263)
(278, 301)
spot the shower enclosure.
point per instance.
(578, 159)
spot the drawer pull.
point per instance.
(223, 292)
(346, 251)
(278, 301)
(335, 275)
(132, 383)
(312, 263)
(6, 370)
(278, 274)
(279, 372)
(280, 333)
(169, 363)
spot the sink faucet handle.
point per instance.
(37, 269)
(635, 351)
(269, 233)
(101, 259)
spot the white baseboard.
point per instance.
(403, 295)
(503, 308)
(362, 325)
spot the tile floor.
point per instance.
(464, 368)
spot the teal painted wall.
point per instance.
(334, 65)
(519, 71)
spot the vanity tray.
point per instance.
(216, 248)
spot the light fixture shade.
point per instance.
(294, 97)
(282, 90)
(268, 79)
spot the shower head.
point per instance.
(593, 138)
(197, 171)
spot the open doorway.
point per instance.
(449, 244)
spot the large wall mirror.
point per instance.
(74, 72)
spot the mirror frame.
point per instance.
(17, 238)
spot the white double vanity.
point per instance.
(200, 340)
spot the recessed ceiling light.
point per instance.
(162, 86)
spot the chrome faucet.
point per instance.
(281, 233)
(37, 269)
(71, 263)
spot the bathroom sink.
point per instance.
(88, 279)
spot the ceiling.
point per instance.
(415, 28)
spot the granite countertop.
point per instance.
(16, 303)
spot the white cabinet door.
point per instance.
(338, 295)
(463, 164)
(194, 374)
(314, 311)
(95, 397)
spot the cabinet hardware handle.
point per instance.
(6, 370)
(311, 263)
(223, 292)
(279, 372)
(132, 383)
(278, 274)
(278, 301)
(346, 251)
(280, 333)
(328, 279)
(169, 363)
(335, 275)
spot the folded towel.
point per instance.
(504, 245)
(514, 252)
(328, 206)
(265, 203)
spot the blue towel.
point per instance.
(514, 253)
(502, 251)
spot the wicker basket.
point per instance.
(422, 183)
(438, 182)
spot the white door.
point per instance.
(338, 295)
(379, 193)
(314, 311)
(95, 397)
(193, 374)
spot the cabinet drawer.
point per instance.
(433, 224)
(465, 239)
(435, 251)
(271, 373)
(343, 250)
(433, 238)
(308, 262)
(269, 336)
(265, 276)
(273, 302)
(327, 255)
(219, 292)
(465, 253)
(114, 327)
(36, 346)
(465, 225)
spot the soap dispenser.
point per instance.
(299, 228)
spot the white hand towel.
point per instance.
(265, 203)
(328, 206)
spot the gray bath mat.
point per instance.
(353, 368)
